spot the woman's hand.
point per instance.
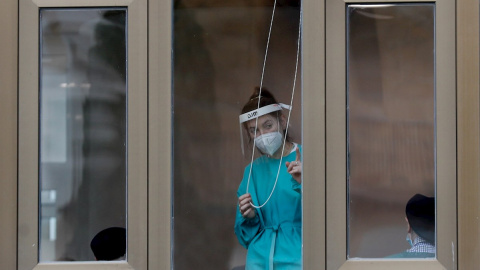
(246, 209)
(295, 168)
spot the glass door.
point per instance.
(82, 134)
(390, 132)
(229, 60)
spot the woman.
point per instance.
(272, 233)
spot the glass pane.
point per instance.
(391, 130)
(218, 57)
(83, 110)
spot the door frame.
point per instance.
(8, 135)
(468, 135)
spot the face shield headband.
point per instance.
(257, 113)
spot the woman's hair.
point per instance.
(266, 98)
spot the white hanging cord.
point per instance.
(259, 96)
(289, 112)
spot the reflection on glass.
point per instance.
(391, 139)
(82, 129)
(218, 57)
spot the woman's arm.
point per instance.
(246, 228)
(247, 221)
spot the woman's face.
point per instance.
(266, 124)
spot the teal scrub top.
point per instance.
(273, 238)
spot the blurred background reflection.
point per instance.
(391, 121)
(82, 129)
(218, 55)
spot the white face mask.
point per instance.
(409, 240)
(269, 143)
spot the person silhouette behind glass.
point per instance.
(420, 217)
(110, 244)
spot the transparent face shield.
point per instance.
(255, 114)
